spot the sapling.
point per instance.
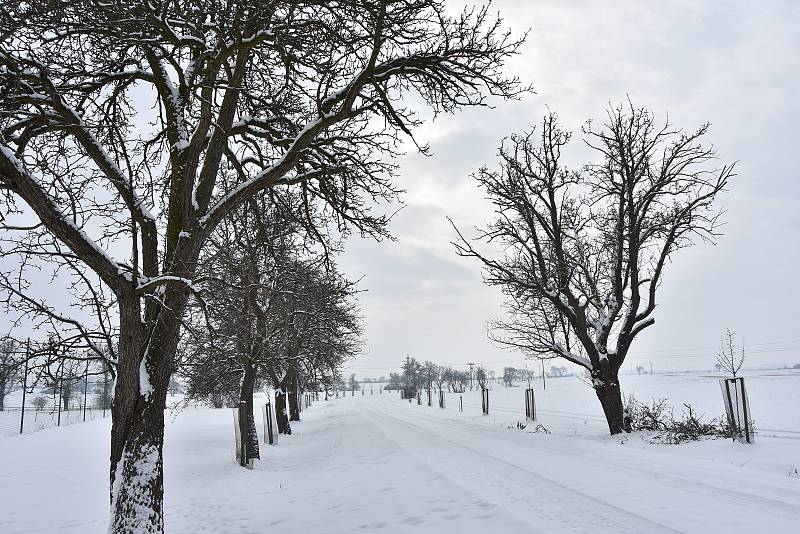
(730, 358)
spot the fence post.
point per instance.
(25, 385)
(461, 403)
(485, 401)
(85, 389)
(60, 392)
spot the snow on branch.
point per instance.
(14, 175)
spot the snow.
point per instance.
(377, 463)
(9, 155)
(145, 387)
(143, 473)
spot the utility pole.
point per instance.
(544, 382)
(651, 368)
(471, 365)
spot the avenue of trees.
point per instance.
(132, 133)
(274, 312)
(416, 376)
(584, 250)
(189, 171)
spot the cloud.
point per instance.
(735, 66)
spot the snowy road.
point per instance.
(378, 464)
(565, 484)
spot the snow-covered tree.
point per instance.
(585, 251)
(272, 313)
(118, 120)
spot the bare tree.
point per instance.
(481, 377)
(273, 314)
(509, 374)
(585, 251)
(412, 376)
(305, 94)
(529, 375)
(352, 383)
(730, 358)
(458, 380)
(39, 402)
(440, 375)
(9, 370)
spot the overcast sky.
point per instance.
(734, 64)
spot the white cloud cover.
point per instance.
(734, 64)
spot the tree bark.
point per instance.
(281, 417)
(294, 399)
(246, 396)
(145, 364)
(610, 396)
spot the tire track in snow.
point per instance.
(565, 511)
(694, 482)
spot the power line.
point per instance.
(642, 354)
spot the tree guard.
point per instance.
(737, 409)
(530, 405)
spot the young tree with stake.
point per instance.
(730, 358)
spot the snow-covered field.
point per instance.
(568, 405)
(376, 463)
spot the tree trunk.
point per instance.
(137, 477)
(294, 400)
(246, 396)
(281, 416)
(610, 396)
(145, 364)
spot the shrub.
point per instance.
(658, 417)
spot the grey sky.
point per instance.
(734, 64)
